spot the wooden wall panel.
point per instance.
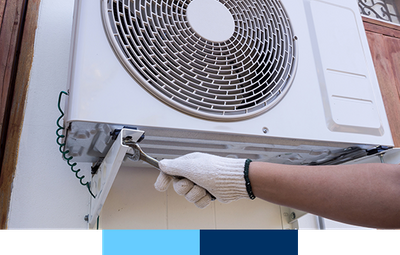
(15, 66)
(2, 8)
(381, 27)
(393, 50)
(384, 42)
(10, 36)
(11, 24)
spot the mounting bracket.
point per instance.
(294, 215)
(107, 171)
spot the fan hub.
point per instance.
(211, 20)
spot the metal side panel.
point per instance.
(103, 179)
(87, 142)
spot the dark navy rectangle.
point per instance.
(252, 242)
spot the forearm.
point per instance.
(367, 195)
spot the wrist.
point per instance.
(230, 184)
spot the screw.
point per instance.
(86, 218)
(127, 139)
(381, 157)
(292, 216)
(265, 130)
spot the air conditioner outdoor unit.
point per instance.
(274, 80)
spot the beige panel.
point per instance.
(248, 214)
(133, 203)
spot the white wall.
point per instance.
(45, 192)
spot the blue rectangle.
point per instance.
(235, 242)
(174, 242)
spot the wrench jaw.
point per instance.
(135, 153)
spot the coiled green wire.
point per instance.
(65, 152)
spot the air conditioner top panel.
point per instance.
(329, 93)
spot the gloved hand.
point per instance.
(196, 173)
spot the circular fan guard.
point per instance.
(232, 80)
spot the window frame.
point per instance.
(370, 8)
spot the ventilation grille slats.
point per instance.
(231, 80)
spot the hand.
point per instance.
(197, 176)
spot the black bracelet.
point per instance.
(247, 180)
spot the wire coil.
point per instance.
(61, 143)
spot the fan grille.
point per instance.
(231, 80)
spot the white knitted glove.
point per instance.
(200, 172)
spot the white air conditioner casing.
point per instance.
(333, 103)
